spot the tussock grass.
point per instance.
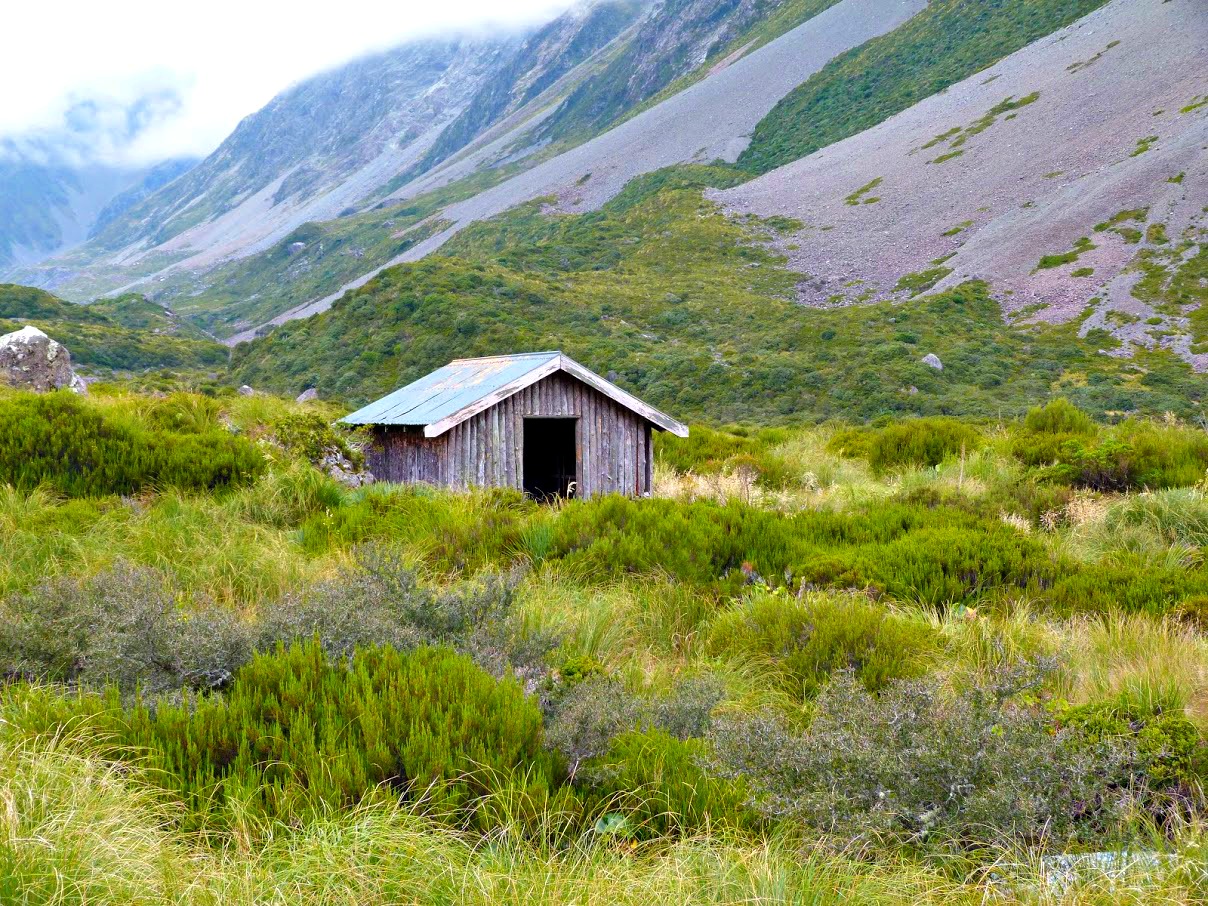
(74, 830)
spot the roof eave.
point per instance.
(628, 400)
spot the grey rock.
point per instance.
(245, 390)
(31, 360)
(931, 360)
(310, 393)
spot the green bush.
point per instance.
(911, 442)
(808, 640)
(312, 437)
(60, 440)
(1129, 456)
(1166, 748)
(585, 716)
(297, 734)
(936, 555)
(660, 785)
(708, 451)
(1059, 416)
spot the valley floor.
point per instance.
(910, 663)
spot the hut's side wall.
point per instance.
(614, 451)
(404, 455)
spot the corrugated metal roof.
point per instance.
(465, 387)
(448, 390)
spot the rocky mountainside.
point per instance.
(391, 127)
(1053, 149)
(708, 120)
(1072, 173)
(314, 150)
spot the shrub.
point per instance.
(708, 451)
(126, 627)
(659, 783)
(130, 627)
(380, 601)
(586, 716)
(982, 767)
(1166, 748)
(808, 640)
(1166, 756)
(1133, 454)
(1059, 416)
(310, 436)
(297, 733)
(912, 442)
(59, 440)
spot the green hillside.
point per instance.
(128, 333)
(695, 313)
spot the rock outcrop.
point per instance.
(31, 360)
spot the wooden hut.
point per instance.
(539, 422)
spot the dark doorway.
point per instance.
(549, 457)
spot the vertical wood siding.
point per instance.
(614, 452)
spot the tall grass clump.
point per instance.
(805, 641)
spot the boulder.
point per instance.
(31, 360)
(245, 390)
(931, 360)
(310, 393)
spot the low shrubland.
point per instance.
(897, 662)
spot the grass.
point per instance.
(1143, 145)
(1046, 262)
(858, 196)
(653, 594)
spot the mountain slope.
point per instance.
(312, 151)
(694, 311)
(545, 57)
(1005, 177)
(708, 121)
(510, 105)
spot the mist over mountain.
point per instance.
(61, 182)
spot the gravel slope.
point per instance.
(1028, 185)
(711, 119)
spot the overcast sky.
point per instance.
(191, 71)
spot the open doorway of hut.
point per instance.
(549, 457)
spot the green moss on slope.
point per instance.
(943, 44)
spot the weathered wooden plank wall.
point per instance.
(404, 455)
(614, 449)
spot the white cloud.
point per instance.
(202, 67)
